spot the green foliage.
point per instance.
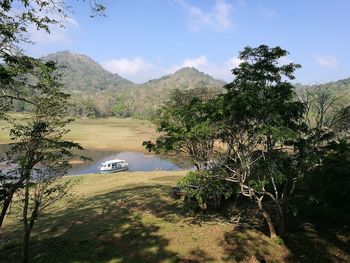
(278, 240)
(329, 183)
(185, 128)
(260, 101)
(121, 109)
(259, 118)
(207, 189)
(268, 143)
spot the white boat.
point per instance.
(113, 166)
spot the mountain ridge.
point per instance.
(73, 63)
(95, 90)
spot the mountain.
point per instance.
(339, 89)
(81, 73)
(97, 92)
(144, 101)
(185, 78)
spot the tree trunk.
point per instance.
(8, 200)
(6, 205)
(25, 241)
(281, 221)
(266, 217)
(25, 247)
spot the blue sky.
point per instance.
(145, 39)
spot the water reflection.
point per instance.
(137, 162)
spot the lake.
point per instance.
(137, 162)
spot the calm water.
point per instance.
(137, 162)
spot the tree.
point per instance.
(39, 155)
(260, 119)
(324, 148)
(185, 128)
(49, 103)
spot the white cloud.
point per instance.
(57, 35)
(139, 70)
(326, 60)
(201, 63)
(198, 63)
(136, 69)
(218, 18)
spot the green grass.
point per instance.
(131, 217)
(109, 134)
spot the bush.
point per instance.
(329, 183)
(206, 190)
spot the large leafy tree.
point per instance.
(48, 119)
(260, 119)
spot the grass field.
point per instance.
(131, 217)
(109, 134)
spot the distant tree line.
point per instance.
(120, 104)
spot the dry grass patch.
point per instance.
(109, 134)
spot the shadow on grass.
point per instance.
(309, 243)
(124, 226)
(248, 245)
(103, 228)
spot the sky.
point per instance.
(146, 39)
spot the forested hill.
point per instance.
(185, 78)
(144, 101)
(339, 89)
(97, 92)
(81, 73)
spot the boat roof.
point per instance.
(113, 161)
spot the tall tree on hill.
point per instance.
(260, 120)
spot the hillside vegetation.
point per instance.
(99, 93)
(82, 74)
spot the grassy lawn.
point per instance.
(109, 134)
(130, 217)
